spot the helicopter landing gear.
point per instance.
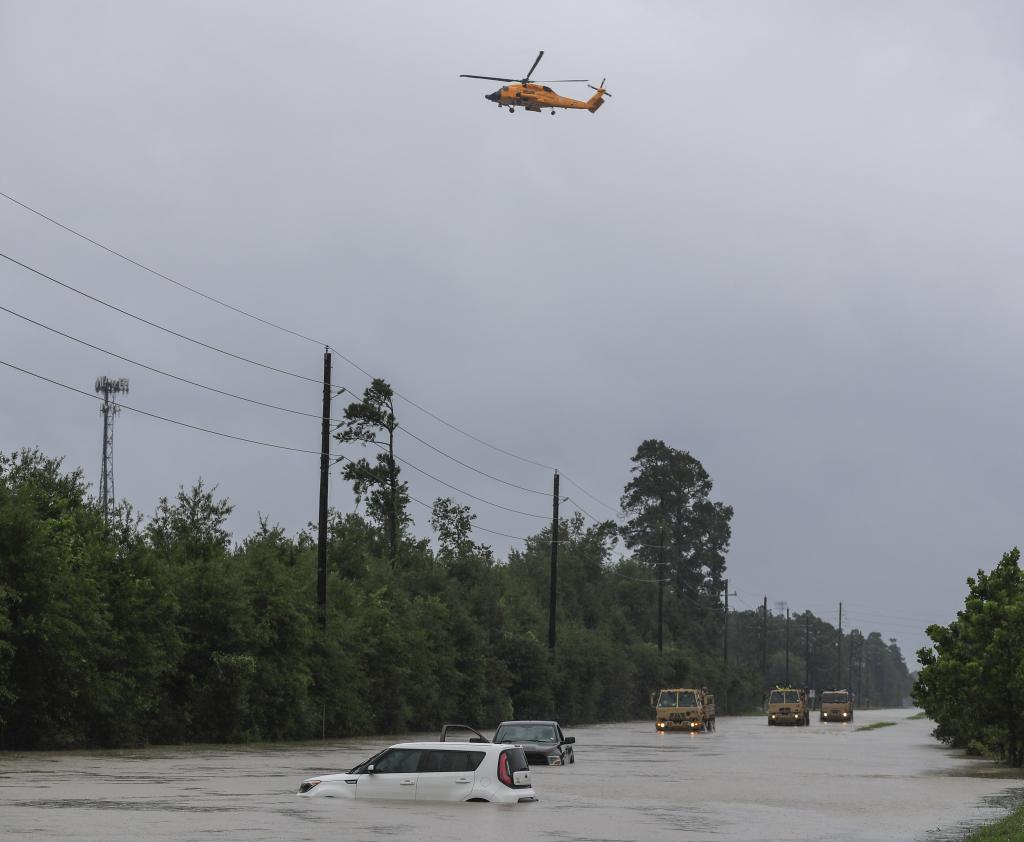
(511, 110)
(552, 112)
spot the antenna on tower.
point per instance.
(110, 389)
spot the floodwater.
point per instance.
(745, 781)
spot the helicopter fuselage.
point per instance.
(536, 97)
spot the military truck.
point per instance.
(685, 709)
(789, 706)
(836, 706)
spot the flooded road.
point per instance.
(744, 782)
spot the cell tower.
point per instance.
(110, 389)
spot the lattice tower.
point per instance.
(110, 389)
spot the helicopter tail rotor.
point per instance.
(600, 89)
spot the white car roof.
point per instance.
(464, 746)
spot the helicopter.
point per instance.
(534, 96)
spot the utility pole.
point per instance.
(839, 651)
(807, 648)
(860, 667)
(725, 656)
(552, 599)
(849, 665)
(110, 389)
(725, 646)
(787, 646)
(867, 654)
(661, 585)
(325, 470)
(764, 642)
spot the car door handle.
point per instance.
(408, 783)
(463, 781)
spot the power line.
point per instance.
(334, 456)
(616, 511)
(160, 371)
(474, 526)
(408, 432)
(275, 407)
(235, 356)
(409, 464)
(260, 443)
(146, 268)
(583, 511)
(163, 417)
(160, 327)
(276, 326)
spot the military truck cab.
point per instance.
(684, 709)
(789, 706)
(836, 706)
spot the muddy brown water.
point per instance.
(746, 781)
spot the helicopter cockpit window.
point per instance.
(504, 89)
(546, 88)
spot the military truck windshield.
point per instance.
(835, 698)
(779, 697)
(668, 699)
(792, 697)
(687, 699)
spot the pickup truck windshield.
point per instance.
(525, 734)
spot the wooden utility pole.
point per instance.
(839, 651)
(787, 646)
(725, 648)
(764, 642)
(849, 664)
(325, 470)
(725, 654)
(807, 648)
(553, 596)
(661, 586)
(860, 667)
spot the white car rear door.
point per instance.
(447, 774)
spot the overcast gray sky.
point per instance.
(789, 244)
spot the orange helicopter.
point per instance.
(533, 96)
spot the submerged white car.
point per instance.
(441, 771)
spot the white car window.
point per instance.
(398, 761)
(452, 761)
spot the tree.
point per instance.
(453, 524)
(675, 528)
(372, 421)
(972, 679)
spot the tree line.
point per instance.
(165, 629)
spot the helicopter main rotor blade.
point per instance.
(492, 78)
(540, 55)
(552, 81)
